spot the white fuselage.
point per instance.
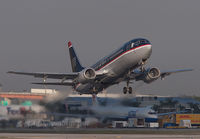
(117, 68)
(123, 112)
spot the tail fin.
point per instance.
(76, 66)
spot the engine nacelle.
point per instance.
(86, 76)
(151, 75)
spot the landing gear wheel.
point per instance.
(130, 90)
(125, 90)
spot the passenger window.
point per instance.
(137, 44)
(128, 46)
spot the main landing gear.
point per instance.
(127, 89)
(94, 98)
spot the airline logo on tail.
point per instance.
(73, 59)
(69, 44)
(76, 65)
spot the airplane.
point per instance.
(123, 65)
(115, 113)
(124, 112)
(110, 112)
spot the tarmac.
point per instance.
(102, 133)
(93, 136)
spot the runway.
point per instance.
(93, 136)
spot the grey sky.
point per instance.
(33, 36)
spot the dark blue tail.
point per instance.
(76, 65)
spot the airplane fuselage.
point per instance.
(128, 57)
(124, 112)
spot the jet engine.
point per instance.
(151, 75)
(86, 76)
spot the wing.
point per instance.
(167, 73)
(138, 75)
(44, 75)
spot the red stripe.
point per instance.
(122, 54)
(69, 44)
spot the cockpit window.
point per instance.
(140, 42)
(135, 43)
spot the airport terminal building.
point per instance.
(76, 111)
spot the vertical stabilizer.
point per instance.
(76, 66)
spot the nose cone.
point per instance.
(147, 51)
